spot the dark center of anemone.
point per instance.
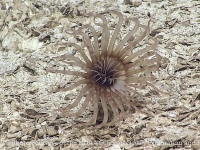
(105, 71)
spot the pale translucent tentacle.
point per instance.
(156, 88)
(115, 113)
(115, 33)
(119, 104)
(80, 50)
(96, 43)
(130, 46)
(143, 63)
(87, 42)
(78, 99)
(105, 33)
(77, 61)
(83, 107)
(75, 64)
(144, 57)
(127, 37)
(145, 68)
(142, 51)
(105, 111)
(141, 80)
(75, 73)
(95, 102)
(124, 99)
(83, 81)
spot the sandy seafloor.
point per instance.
(29, 34)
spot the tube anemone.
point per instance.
(112, 68)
